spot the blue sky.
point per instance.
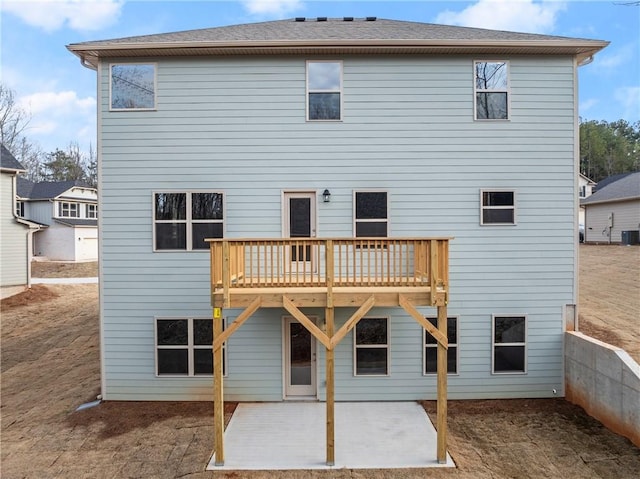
(59, 93)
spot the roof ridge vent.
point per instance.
(371, 19)
(321, 19)
(300, 19)
(347, 19)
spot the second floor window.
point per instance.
(498, 207)
(324, 90)
(371, 214)
(492, 90)
(182, 221)
(91, 211)
(68, 210)
(20, 209)
(133, 86)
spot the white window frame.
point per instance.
(188, 221)
(340, 90)
(512, 207)
(65, 208)
(494, 344)
(435, 346)
(506, 90)
(155, 86)
(20, 208)
(372, 346)
(91, 211)
(370, 220)
(190, 347)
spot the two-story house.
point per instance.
(69, 210)
(325, 185)
(16, 233)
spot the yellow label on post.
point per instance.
(217, 313)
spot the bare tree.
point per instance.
(13, 119)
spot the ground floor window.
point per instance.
(371, 347)
(509, 344)
(431, 347)
(184, 347)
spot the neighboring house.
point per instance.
(585, 188)
(15, 233)
(69, 209)
(315, 135)
(612, 213)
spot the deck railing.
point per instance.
(311, 262)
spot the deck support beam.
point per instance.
(330, 377)
(306, 322)
(441, 411)
(218, 393)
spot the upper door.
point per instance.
(300, 222)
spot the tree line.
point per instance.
(63, 164)
(606, 148)
(609, 148)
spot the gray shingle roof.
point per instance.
(8, 161)
(45, 190)
(624, 188)
(312, 36)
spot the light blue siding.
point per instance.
(237, 125)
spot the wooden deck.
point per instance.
(329, 272)
(296, 273)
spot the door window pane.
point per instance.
(300, 355)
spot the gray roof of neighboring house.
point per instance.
(333, 35)
(76, 222)
(45, 190)
(608, 180)
(8, 161)
(625, 188)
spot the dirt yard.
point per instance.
(59, 269)
(610, 295)
(50, 366)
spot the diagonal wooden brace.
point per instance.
(431, 329)
(306, 322)
(246, 314)
(353, 320)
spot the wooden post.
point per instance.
(330, 372)
(442, 388)
(218, 395)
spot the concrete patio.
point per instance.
(291, 435)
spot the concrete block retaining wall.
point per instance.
(605, 381)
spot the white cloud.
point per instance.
(276, 7)
(512, 15)
(58, 118)
(609, 60)
(50, 15)
(629, 98)
(587, 104)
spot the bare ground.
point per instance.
(60, 269)
(50, 365)
(609, 301)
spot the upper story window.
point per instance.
(324, 90)
(498, 207)
(68, 210)
(20, 209)
(91, 211)
(491, 90)
(183, 220)
(133, 86)
(371, 214)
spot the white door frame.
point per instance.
(297, 391)
(313, 223)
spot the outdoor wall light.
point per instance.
(326, 196)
